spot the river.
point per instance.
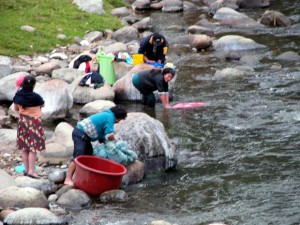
(239, 157)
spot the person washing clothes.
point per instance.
(99, 126)
(154, 47)
(148, 81)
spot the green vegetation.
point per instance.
(50, 18)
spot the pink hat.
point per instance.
(19, 80)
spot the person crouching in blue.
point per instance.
(148, 81)
(97, 127)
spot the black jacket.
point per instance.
(146, 48)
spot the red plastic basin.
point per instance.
(96, 175)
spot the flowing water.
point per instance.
(239, 157)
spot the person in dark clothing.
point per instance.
(148, 81)
(154, 47)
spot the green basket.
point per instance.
(106, 67)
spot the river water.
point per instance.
(239, 157)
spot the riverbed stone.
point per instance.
(74, 198)
(289, 56)
(6, 180)
(252, 3)
(113, 196)
(96, 107)
(58, 98)
(18, 197)
(275, 19)
(147, 137)
(33, 215)
(44, 185)
(67, 74)
(236, 42)
(172, 6)
(85, 94)
(5, 66)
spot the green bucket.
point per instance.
(106, 67)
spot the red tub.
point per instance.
(96, 175)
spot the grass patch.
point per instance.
(50, 18)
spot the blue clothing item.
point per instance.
(97, 126)
(156, 64)
(82, 143)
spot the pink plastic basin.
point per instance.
(96, 175)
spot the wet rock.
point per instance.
(39, 216)
(141, 5)
(121, 12)
(161, 222)
(252, 3)
(147, 137)
(144, 24)
(113, 196)
(289, 56)
(172, 6)
(200, 42)
(74, 198)
(235, 42)
(228, 13)
(274, 19)
(135, 173)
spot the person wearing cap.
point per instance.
(148, 81)
(154, 48)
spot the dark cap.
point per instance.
(156, 39)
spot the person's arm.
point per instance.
(165, 100)
(146, 60)
(111, 137)
(16, 107)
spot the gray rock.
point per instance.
(6, 180)
(16, 197)
(74, 198)
(113, 196)
(39, 216)
(44, 185)
(5, 66)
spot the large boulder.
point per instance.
(147, 137)
(124, 89)
(85, 94)
(8, 86)
(236, 42)
(58, 98)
